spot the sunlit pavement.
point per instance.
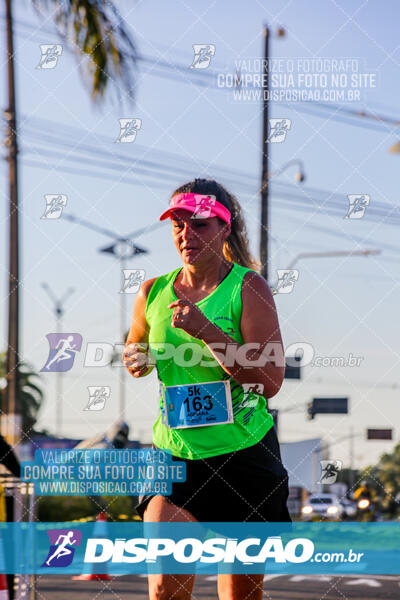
(322, 587)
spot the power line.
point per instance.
(358, 239)
(290, 200)
(146, 167)
(360, 113)
(294, 201)
(300, 201)
(243, 180)
(182, 73)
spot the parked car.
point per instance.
(322, 505)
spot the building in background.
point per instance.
(302, 462)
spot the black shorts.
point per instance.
(246, 485)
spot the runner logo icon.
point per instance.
(62, 351)
(278, 129)
(61, 551)
(202, 55)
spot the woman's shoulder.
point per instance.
(247, 274)
(147, 285)
(160, 281)
(254, 284)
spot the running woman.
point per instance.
(219, 310)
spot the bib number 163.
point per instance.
(196, 400)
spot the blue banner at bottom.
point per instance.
(203, 548)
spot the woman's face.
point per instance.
(198, 240)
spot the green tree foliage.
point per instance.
(384, 478)
(30, 392)
(95, 30)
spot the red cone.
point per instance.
(3, 587)
(101, 518)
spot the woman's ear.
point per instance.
(228, 230)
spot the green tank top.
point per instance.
(224, 308)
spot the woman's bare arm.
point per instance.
(260, 359)
(135, 359)
(260, 325)
(139, 329)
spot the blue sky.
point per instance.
(339, 305)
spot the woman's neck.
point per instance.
(204, 276)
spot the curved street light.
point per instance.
(299, 176)
(58, 308)
(302, 255)
(395, 148)
(264, 221)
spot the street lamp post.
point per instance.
(300, 176)
(122, 249)
(332, 253)
(59, 313)
(264, 232)
(264, 217)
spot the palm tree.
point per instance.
(30, 394)
(95, 29)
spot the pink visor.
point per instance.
(202, 206)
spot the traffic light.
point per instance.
(327, 406)
(292, 367)
(379, 434)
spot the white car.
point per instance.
(322, 505)
(349, 507)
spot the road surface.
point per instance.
(301, 587)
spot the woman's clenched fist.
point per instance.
(138, 359)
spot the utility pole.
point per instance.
(12, 398)
(265, 162)
(351, 458)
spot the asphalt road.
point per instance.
(304, 587)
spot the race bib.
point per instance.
(197, 405)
